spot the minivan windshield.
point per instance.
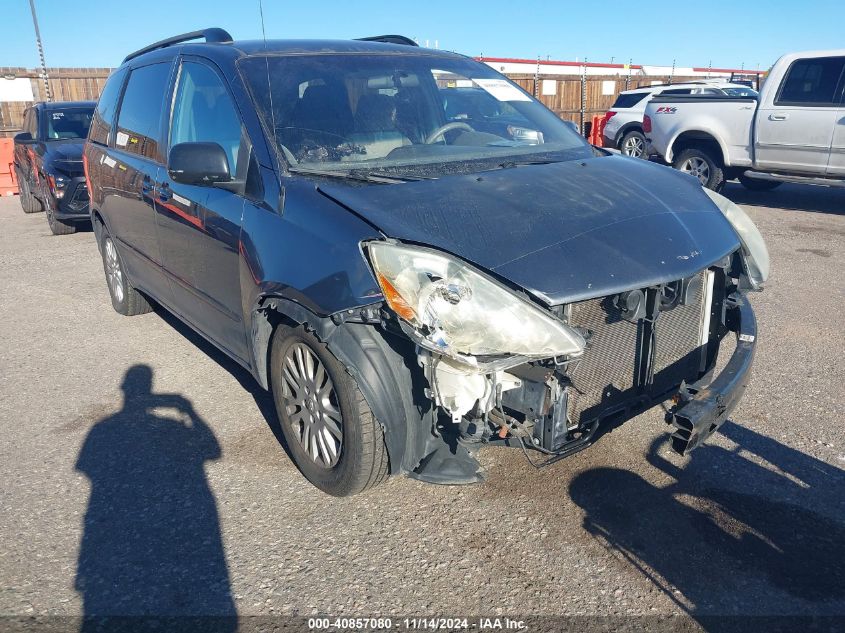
(350, 111)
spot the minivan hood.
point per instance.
(565, 231)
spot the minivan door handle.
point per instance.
(146, 186)
(164, 193)
(778, 116)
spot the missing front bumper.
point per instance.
(705, 405)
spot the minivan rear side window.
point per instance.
(106, 107)
(139, 121)
(629, 100)
(811, 82)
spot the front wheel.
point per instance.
(633, 144)
(58, 227)
(758, 184)
(331, 434)
(699, 163)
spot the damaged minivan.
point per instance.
(414, 255)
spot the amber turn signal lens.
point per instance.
(395, 300)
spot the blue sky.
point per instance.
(728, 34)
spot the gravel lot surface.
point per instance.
(114, 509)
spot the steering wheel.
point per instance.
(448, 127)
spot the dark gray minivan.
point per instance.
(413, 281)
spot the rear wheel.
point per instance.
(633, 144)
(699, 163)
(125, 299)
(332, 435)
(29, 202)
(758, 184)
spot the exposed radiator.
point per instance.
(605, 378)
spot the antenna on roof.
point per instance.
(267, 66)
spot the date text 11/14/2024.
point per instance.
(417, 624)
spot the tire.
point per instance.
(633, 144)
(58, 227)
(320, 406)
(29, 202)
(701, 164)
(758, 184)
(124, 298)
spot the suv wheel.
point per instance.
(124, 298)
(758, 184)
(332, 435)
(29, 202)
(699, 163)
(633, 144)
(57, 226)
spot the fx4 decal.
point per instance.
(666, 110)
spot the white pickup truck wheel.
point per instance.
(699, 163)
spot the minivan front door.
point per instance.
(794, 133)
(199, 226)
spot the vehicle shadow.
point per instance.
(754, 531)
(151, 552)
(792, 197)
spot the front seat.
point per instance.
(375, 126)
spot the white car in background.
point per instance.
(623, 129)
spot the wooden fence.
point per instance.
(571, 97)
(66, 84)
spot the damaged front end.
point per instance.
(501, 369)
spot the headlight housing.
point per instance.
(754, 250)
(453, 309)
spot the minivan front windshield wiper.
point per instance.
(363, 175)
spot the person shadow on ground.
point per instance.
(743, 539)
(151, 554)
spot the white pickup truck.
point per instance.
(793, 132)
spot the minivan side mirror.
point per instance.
(24, 138)
(204, 164)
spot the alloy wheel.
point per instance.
(311, 405)
(114, 274)
(697, 167)
(633, 147)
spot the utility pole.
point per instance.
(40, 51)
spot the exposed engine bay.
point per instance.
(642, 346)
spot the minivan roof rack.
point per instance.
(389, 39)
(212, 35)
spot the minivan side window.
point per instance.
(138, 124)
(203, 111)
(811, 82)
(106, 107)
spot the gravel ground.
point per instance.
(212, 517)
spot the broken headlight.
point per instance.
(754, 250)
(456, 310)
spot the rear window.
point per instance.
(629, 100)
(106, 107)
(811, 82)
(139, 121)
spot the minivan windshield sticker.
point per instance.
(121, 139)
(502, 90)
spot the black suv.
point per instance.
(409, 287)
(48, 162)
